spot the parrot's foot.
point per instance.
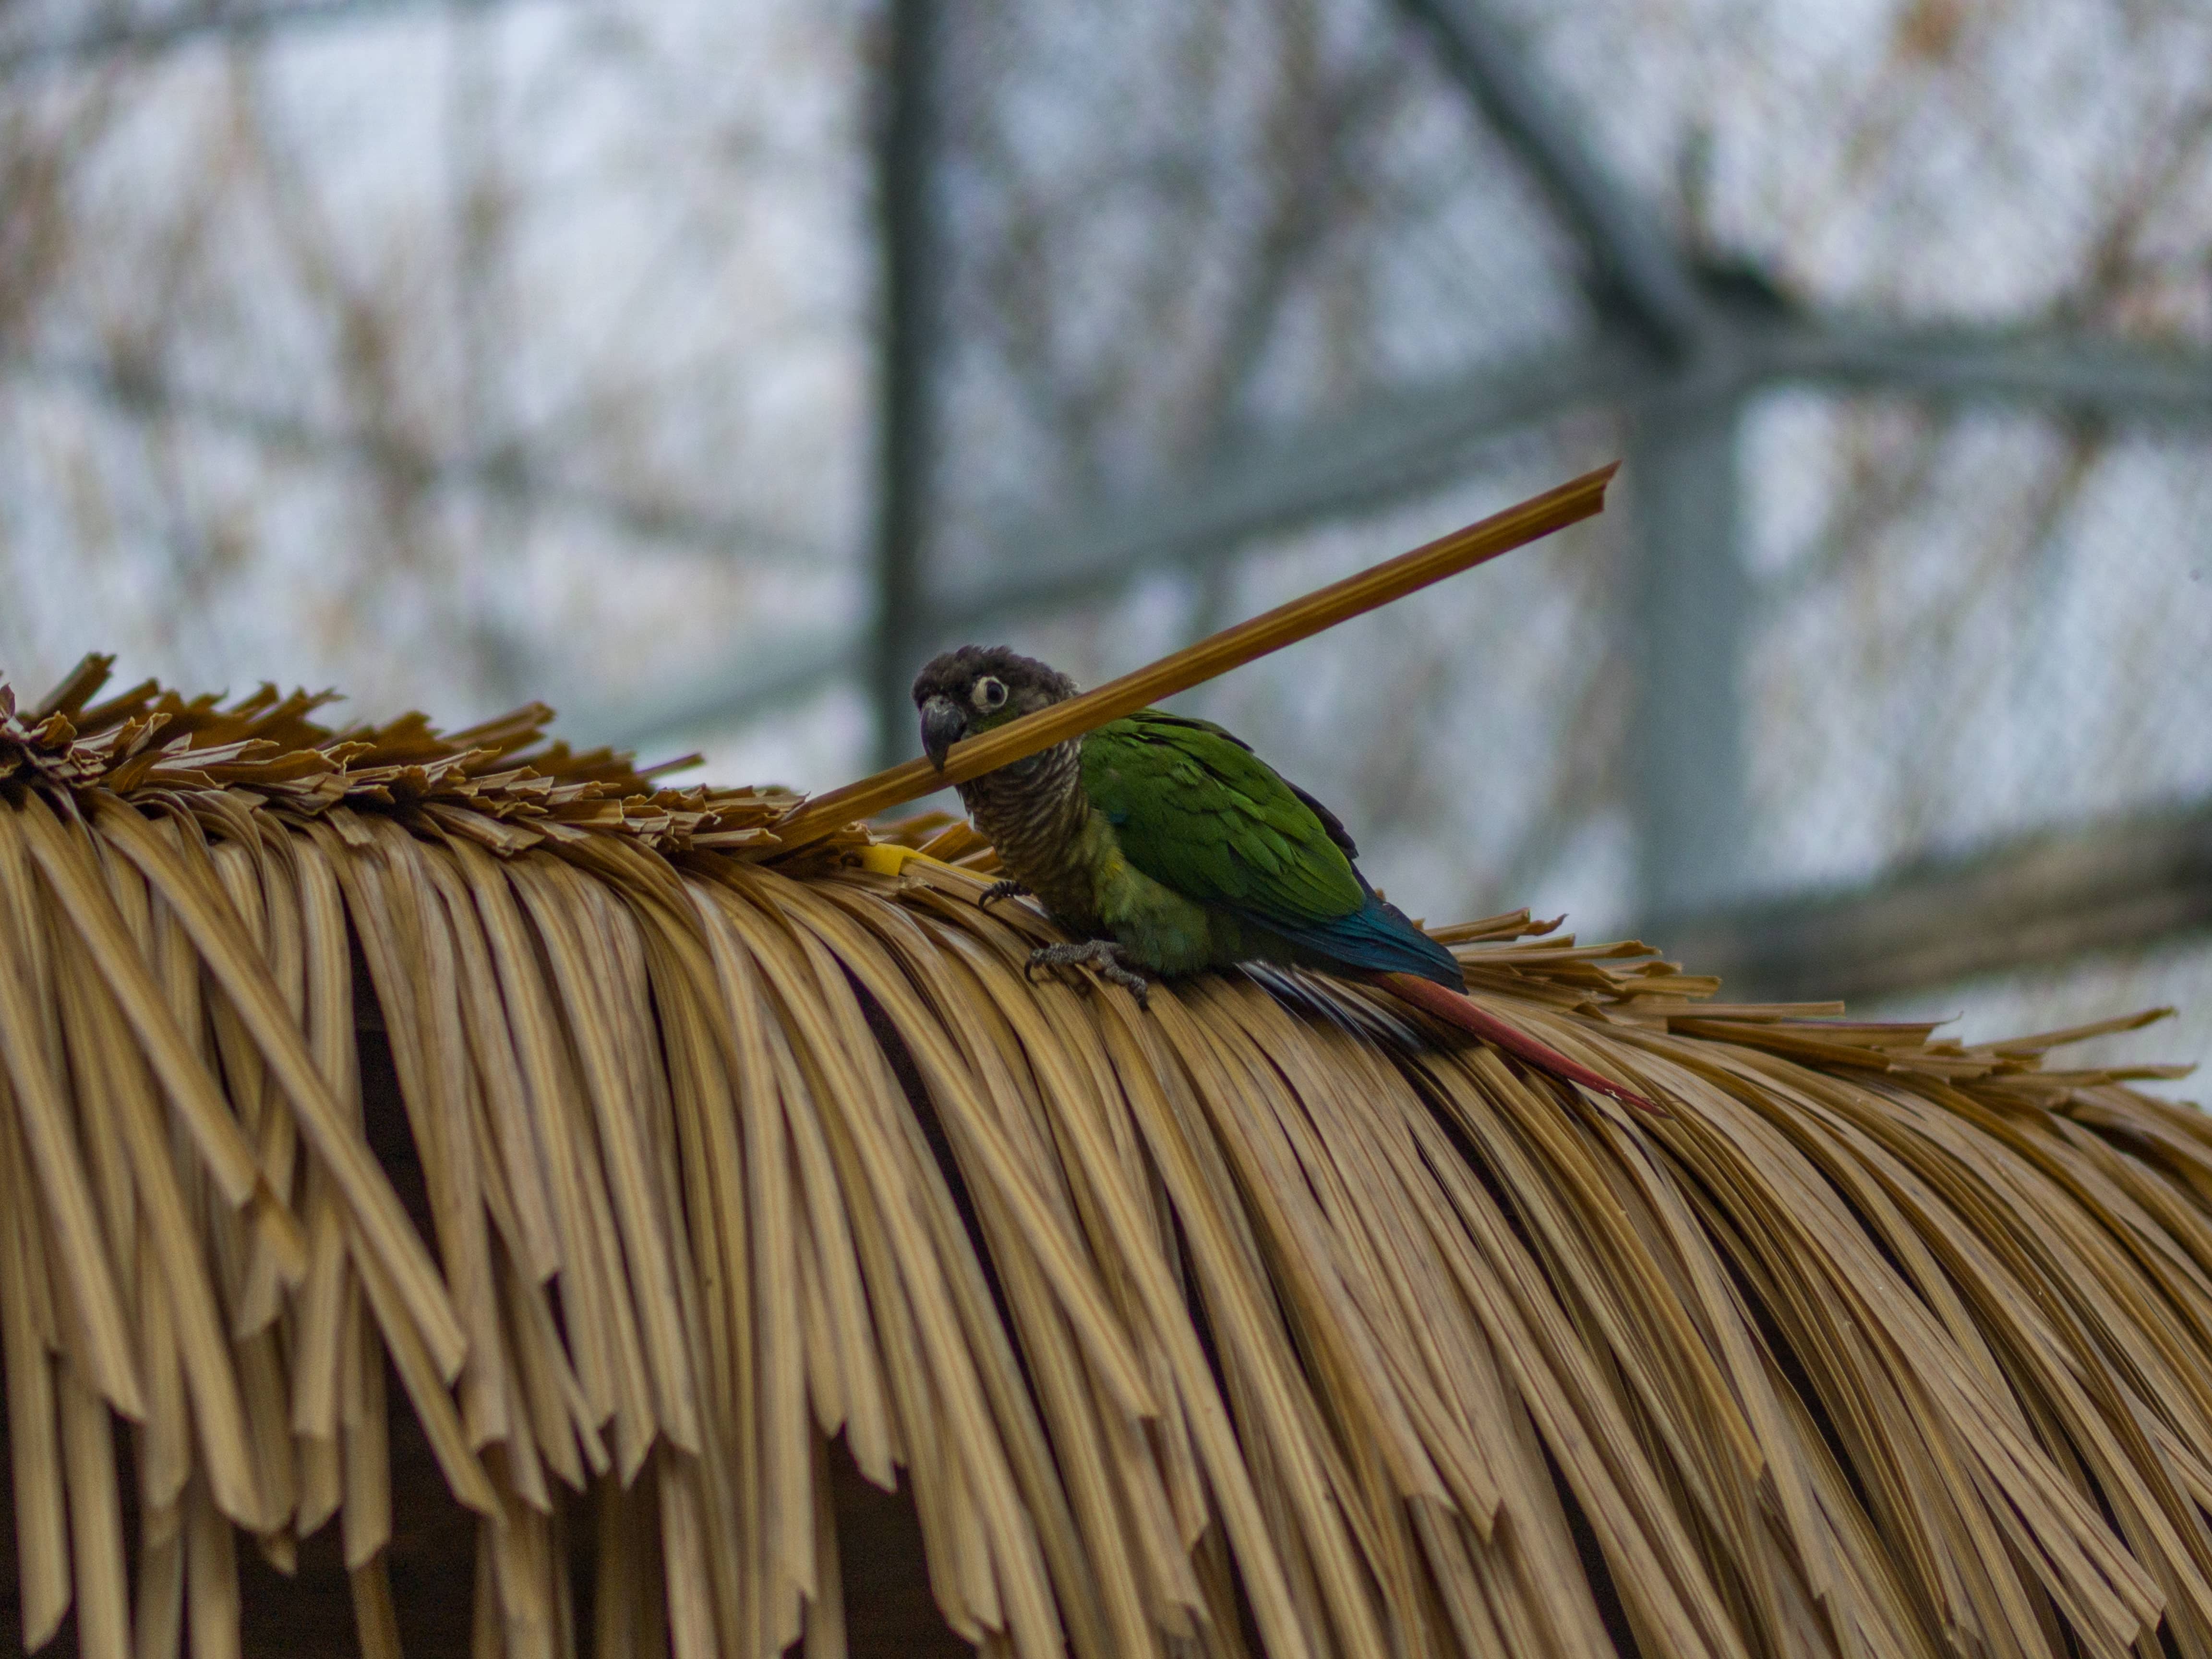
(999, 890)
(1102, 954)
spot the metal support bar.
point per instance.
(1691, 617)
(1409, 440)
(1388, 448)
(2113, 379)
(904, 436)
(1693, 613)
(1637, 263)
(117, 34)
(1399, 443)
(2113, 884)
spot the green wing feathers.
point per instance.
(1199, 813)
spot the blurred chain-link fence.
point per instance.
(636, 356)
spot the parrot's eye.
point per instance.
(989, 694)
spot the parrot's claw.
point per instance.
(999, 890)
(1102, 954)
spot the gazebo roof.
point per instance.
(1264, 1313)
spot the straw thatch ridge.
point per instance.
(1266, 1315)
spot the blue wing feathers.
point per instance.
(1377, 937)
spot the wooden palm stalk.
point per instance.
(1324, 608)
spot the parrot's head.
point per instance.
(978, 687)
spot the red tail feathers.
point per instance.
(1454, 1009)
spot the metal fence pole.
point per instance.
(1693, 620)
(903, 445)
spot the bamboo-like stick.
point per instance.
(1571, 502)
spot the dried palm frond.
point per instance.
(1266, 1315)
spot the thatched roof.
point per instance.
(1266, 1315)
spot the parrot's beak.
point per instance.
(942, 725)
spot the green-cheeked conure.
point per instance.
(1167, 847)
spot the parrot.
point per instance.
(1167, 847)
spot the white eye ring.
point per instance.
(989, 694)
